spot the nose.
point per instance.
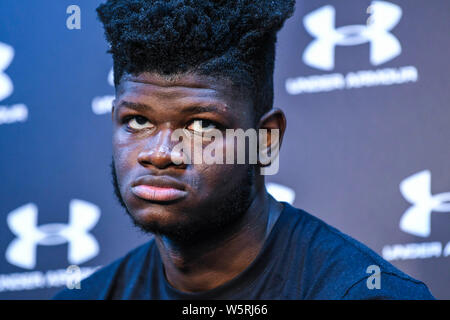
(158, 151)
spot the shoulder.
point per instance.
(388, 286)
(101, 284)
(337, 266)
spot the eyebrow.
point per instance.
(190, 110)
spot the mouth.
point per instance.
(159, 189)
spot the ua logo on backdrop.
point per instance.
(17, 112)
(83, 246)
(6, 57)
(103, 104)
(417, 190)
(321, 24)
(280, 192)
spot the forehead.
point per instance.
(182, 86)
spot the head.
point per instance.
(191, 65)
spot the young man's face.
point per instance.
(182, 201)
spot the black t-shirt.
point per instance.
(302, 258)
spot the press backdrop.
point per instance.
(365, 86)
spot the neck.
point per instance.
(212, 263)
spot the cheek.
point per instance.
(125, 157)
(218, 179)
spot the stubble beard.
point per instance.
(227, 213)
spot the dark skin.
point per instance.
(147, 109)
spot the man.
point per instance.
(203, 67)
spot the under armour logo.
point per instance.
(321, 24)
(417, 190)
(17, 112)
(6, 57)
(23, 223)
(280, 192)
(103, 104)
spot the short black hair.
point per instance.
(232, 39)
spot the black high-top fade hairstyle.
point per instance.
(230, 39)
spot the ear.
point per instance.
(273, 119)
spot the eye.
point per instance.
(139, 123)
(202, 126)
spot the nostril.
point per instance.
(161, 160)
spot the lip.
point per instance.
(161, 189)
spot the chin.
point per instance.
(158, 214)
(156, 218)
(177, 226)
